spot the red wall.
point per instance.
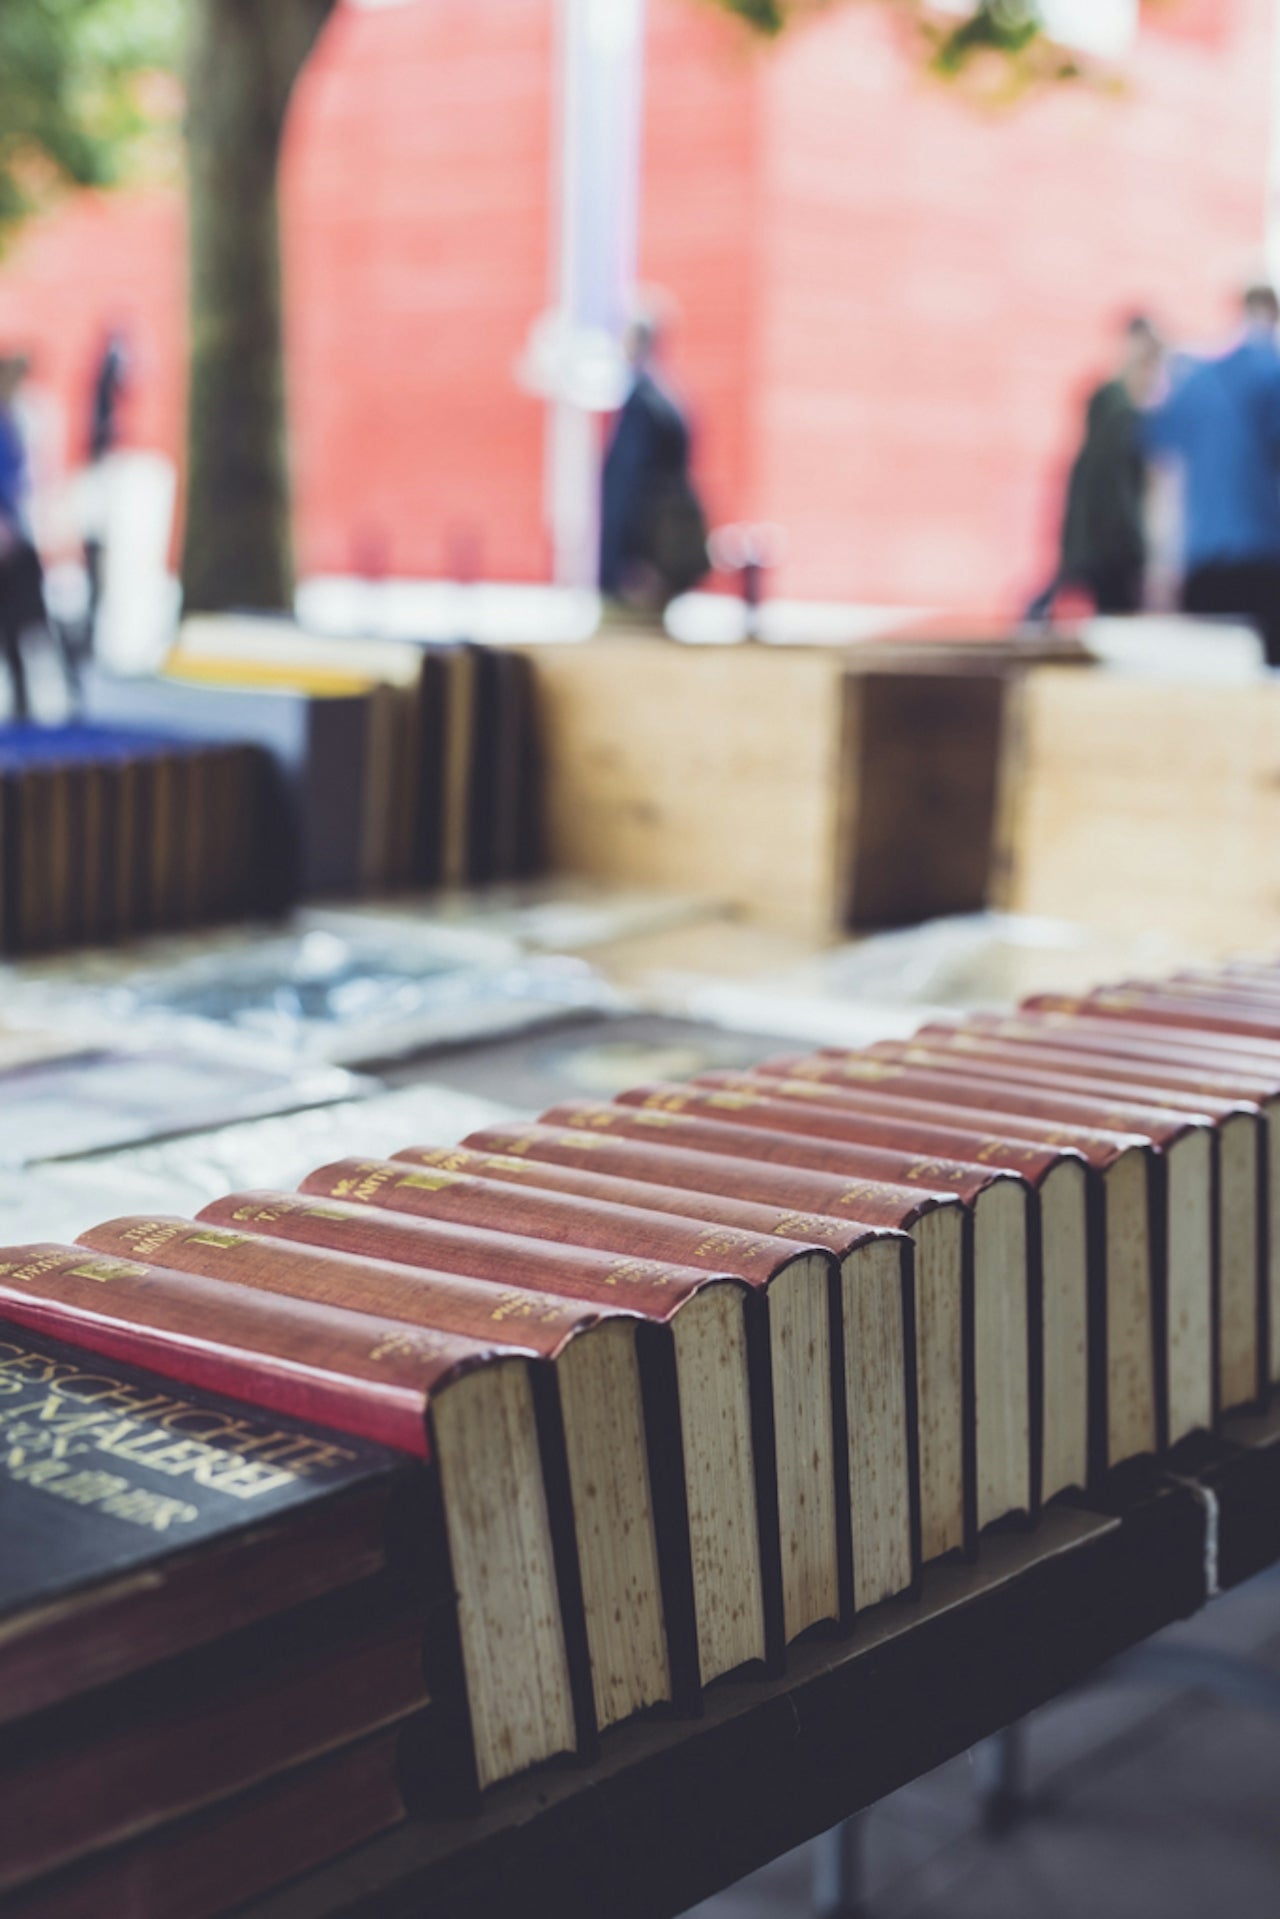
(418, 223)
(943, 278)
(890, 299)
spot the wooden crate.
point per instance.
(790, 783)
(1140, 805)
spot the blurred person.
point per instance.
(109, 382)
(21, 575)
(1103, 543)
(653, 536)
(1220, 421)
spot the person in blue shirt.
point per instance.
(1221, 423)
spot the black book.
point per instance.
(143, 1518)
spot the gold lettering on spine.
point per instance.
(724, 1243)
(518, 1305)
(806, 1226)
(435, 1181)
(936, 1172)
(367, 1181)
(644, 1272)
(151, 1236)
(409, 1342)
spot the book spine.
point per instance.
(459, 1198)
(447, 1303)
(580, 1145)
(963, 1085)
(752, 1107)
(778, 1163)
(1106, 1083)
(1030, 1045)
(1001, 1152)
(1155, 1010)
(784, 1222)
(336, 1367)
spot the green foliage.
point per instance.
(994, 49)
(73, 108)
(767, 16)
(1000, 37)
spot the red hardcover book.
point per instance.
(1251, 988)
(1150, 1005)
(1123, 1247)
(1109, 1048)
(699, 1351)
(874, 1390)
(1225, 1065)
(329, 1366)
(376, 1377)
(1002, 1276)
(1068, 1011)
(1066, 1221)
(804, 1495)
(944, 1308)
(579, 1355)
(784, 1169)
(1240, 1149)
(1160, 1311)
(1233, 1298)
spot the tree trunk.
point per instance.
(244, 58)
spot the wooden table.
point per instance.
(676, 1811)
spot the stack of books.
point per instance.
(108, 831)
(211, 1638)
(720, 1364)
(401, 765)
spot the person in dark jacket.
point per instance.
(653, 537)
(1103, 550)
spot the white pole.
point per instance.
(600, 56)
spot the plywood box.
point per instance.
(782, 781)
(1136, 804)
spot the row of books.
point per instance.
(107, 832)
(719, 1364)
(400, 765)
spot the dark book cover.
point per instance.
(203, 1865)
(142, 1519)
(131, 1756)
